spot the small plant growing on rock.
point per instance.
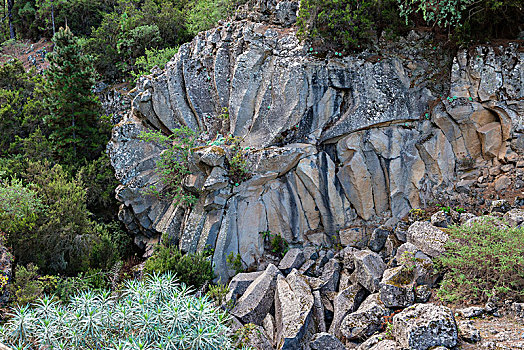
(235, 262)
(173, 165)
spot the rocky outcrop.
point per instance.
(334, 143)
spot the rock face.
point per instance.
(334, 143)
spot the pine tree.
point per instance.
(74, 109)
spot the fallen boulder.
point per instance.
(369, 268)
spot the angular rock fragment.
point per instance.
(514, 217)
(472, 311)
(346, 302)
(468, 332)
(378, 239)
(397, 287)
(427, 238)
(293, 310)
(293, 259)
(369, 268)
(255, 303)
(326, 341)
(331, 275)
(239, 285)
(422, 326)
(366, 320)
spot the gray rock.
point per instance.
(293, 259)
(422, 326)
(256, 338)
(239, 284)
(293, 310)
(269, 327)
(499, 206)
(468, 332)
(427, 238)
(371, 341)
(387, 344)
(346, 302)
(322, 341)
(470, 312)
(422, 294)
(331, 275)
(369, 268)
(366, 320)
(441, 219)
(378, 239)
(255, 303)
(514, 217)
(397, 287)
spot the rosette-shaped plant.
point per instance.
(155, 313)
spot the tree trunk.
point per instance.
(10, 4)
(53, 16)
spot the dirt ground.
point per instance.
(505, 332)
(30, 53)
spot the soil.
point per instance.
(505, 332)
(30, 53)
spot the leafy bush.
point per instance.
(350, 24)
(19, 206)
(28, 285)
(483, 259)
(205, 14)
(192, 269)
(156, 313)
(173, 165)
(471, 19)
(152, 58)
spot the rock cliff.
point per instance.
(336, 144)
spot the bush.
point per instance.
(152, 58)
(483, 259)
(205, 14)
(347, 24)
(173, 165)
(19, 206)
(28, 285)
(156, 313)
(192, 269)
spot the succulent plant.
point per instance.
(154, 313)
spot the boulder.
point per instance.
(468, 332)
(470, 312)
(387, 344)
(323, 341)
(255, 303)
(422, 293)
(369, 268)
(255, 337)
(346, 302)
(397, 287)
(502, 183)
(293, 310)
(427, 238)
(499, 206)
(378, 238)
(239, 284)
(514, 217)
(293, 259)
(331, 275)
(423, 326)
(269, 327)
(366, 320)
(441, 219)
(354, 237)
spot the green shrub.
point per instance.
(483, 259)
(205, 14)
(152, 58)
(19, 206)
(155, 313)
(347, 24)
(192, 269)
(173, 165)
(235, 262)
(28, 285)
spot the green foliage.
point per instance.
(74, 118)
(483, 259)
(19, 206)
(153, 58)
(277, 244)
(173, 165)
(111, 245)
(155, 313)
(235, 262)
(205, 14)
(349, 24)
(192, 269)
(28, 285)
(218, 292)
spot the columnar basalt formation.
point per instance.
(333, 142)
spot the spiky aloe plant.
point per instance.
(155, 313)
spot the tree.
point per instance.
(74, 121)
(10, 4)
